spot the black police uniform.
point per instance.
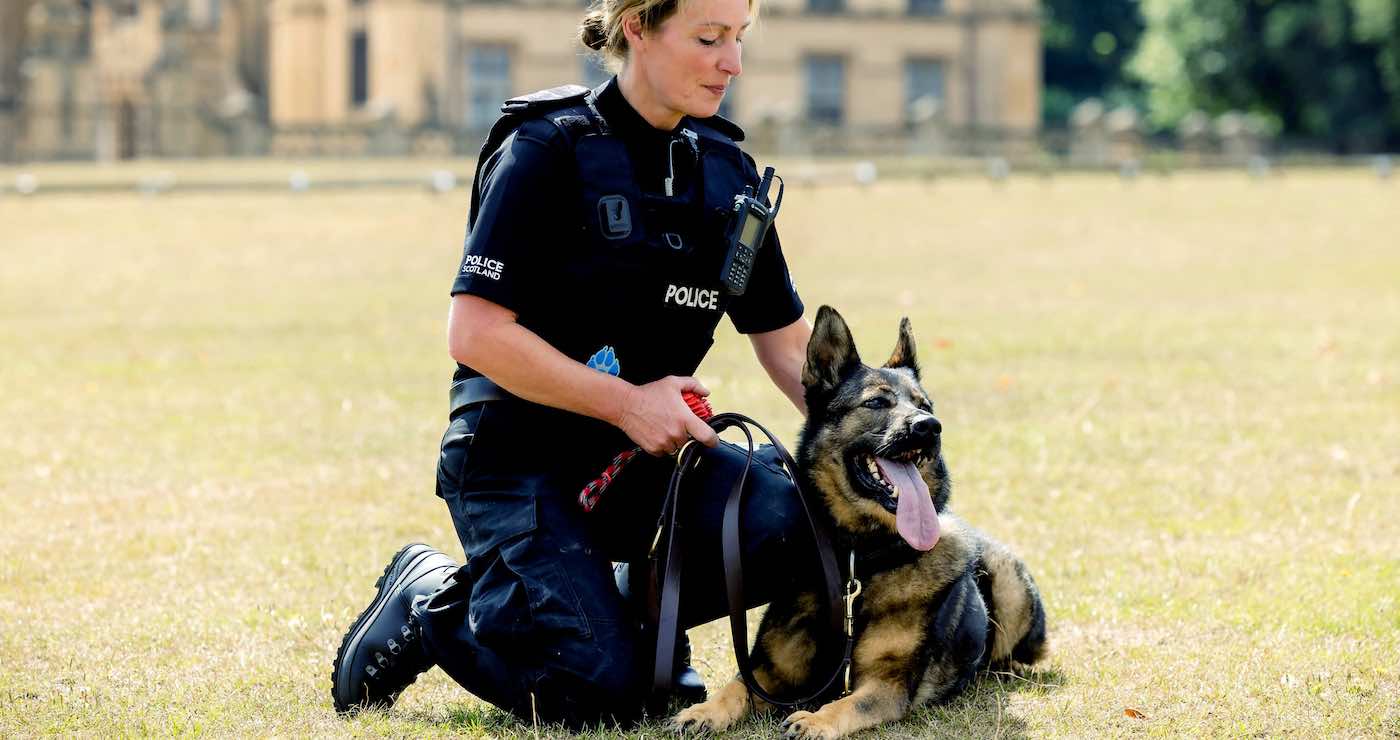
(575, 233)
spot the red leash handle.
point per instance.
(588, 497)
(699, 405)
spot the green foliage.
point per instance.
(1086, 48)
(1324, 70)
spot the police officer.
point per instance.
(588, 294)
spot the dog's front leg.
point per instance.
(883, 661)
(782, 661)
(728, 705)
(872, 703)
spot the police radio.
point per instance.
(748, 225)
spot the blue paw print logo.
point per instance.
(605, 361)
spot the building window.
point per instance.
(592, 71)
(826, 6)
(925, 7)
(359, 68)
(826, 89)
(923, 88)
(208, 14)
(488, 70)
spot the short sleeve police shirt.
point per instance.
(512, 235)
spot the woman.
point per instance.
(588, 294)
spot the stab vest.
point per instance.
(661, 255)
(612, 199)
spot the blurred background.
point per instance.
(1108, 84)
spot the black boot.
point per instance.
(686, 684)
(383, 652)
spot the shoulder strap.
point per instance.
(570, 107)
(543, 101)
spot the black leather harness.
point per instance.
(841, 606)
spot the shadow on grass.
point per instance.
(983, 710)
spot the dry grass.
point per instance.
(1179, 399)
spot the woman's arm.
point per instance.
(782, 353)
(485, 336)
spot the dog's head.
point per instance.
(871, 444)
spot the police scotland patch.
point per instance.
(487, 267)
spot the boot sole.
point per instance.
(352, 638)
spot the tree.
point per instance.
(1323, 70)
(1086, 47)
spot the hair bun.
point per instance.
(593, 32)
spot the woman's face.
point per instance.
(684, 67)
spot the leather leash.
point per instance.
(841, 607)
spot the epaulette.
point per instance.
(545, 100)
(723, 126)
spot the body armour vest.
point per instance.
(644, 274)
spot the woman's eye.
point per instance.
(879, 402)
(709, 42)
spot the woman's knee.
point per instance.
(774, 522)
(591, 684)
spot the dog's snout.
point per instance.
(926, 428)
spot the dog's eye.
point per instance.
(878, 402)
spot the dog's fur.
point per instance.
(926, 622)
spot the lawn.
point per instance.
(1178, 398)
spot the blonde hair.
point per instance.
(601, 29)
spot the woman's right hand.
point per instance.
(657, 418)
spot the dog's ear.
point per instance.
(831, 353)
(904, 355)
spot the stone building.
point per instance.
(111, 79)
(122, 78)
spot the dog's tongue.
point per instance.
(915, 518)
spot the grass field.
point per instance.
(1177, 398)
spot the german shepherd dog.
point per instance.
(940, 600)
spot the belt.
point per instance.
(472, 391)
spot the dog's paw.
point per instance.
(710, 716)
(809, 726)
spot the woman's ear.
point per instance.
(632, 29)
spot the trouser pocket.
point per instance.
(522, 599)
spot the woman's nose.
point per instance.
(730, 62)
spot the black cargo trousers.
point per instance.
(534, 622)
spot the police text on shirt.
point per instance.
(692, 297)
